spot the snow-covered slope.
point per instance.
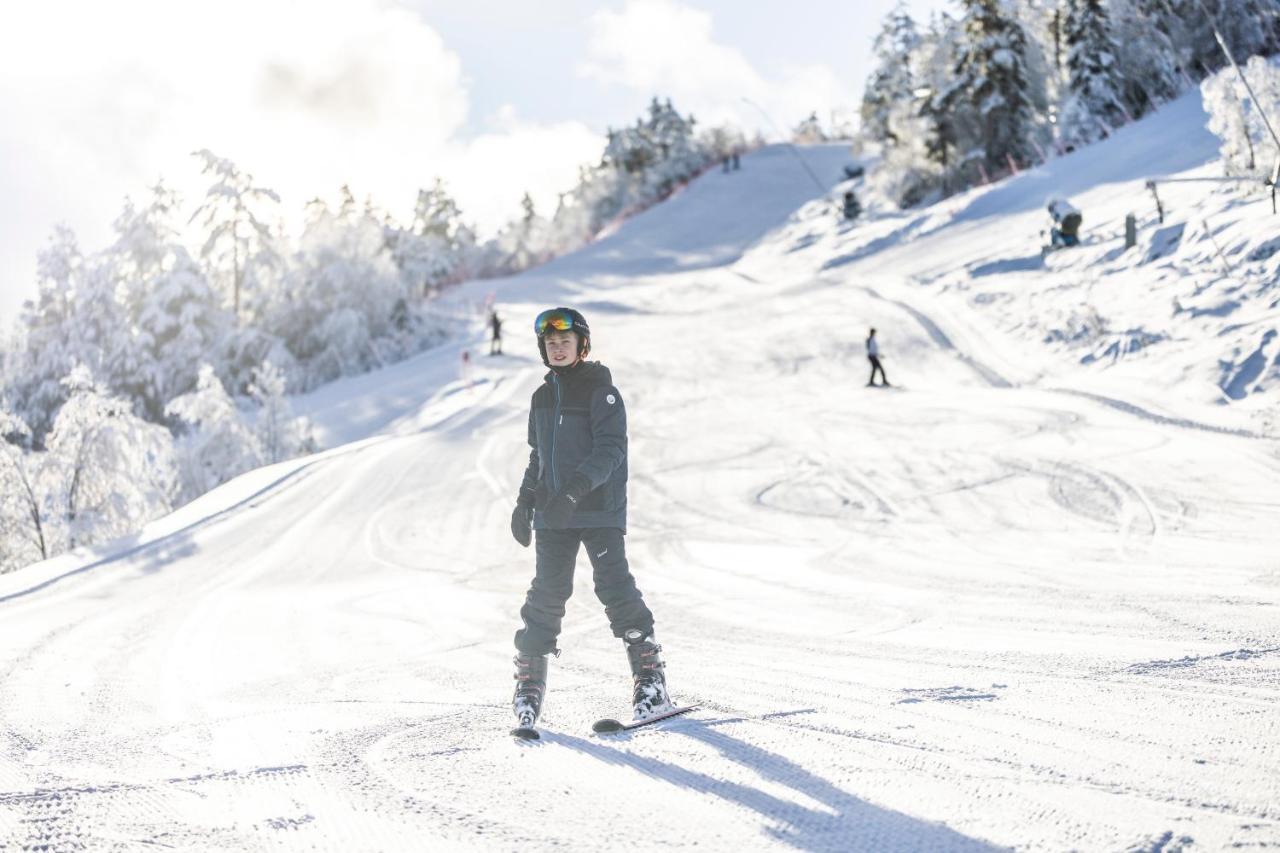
(1186, 320)
(985, 609)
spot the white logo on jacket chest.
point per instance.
(610, 399)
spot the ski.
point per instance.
(525, 733)
(612, 726)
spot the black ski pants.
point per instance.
(557, 552)
(875, 365)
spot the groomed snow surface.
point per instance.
(1020, 600)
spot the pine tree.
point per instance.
(1093, 103)
(1147, 62)
(174, 315)
(523, 242)
(214, 444)
(240, 246)
(809, 131)
(892, 82)
(75, 319)
(991, 76)
(280, 435)
(438, 248)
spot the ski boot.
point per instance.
(531, 685)
(649, 694)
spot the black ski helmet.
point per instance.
(562, 320)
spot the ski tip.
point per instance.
(612, 726)
(603, 726)
(525, 734)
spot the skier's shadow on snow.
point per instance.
(846, 822)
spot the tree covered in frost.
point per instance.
(214, 444)
(337, 305)
(1092, 106)
(809, 131)
(240, 245)
(111, 471)
(893, 81)
(24, 505)
(175, 319)
(438, 248)
(1247, 148)
(1147, 62)
(919, 132)
(280, 435)
(524, 243)
(991, 77)
(1249, 28)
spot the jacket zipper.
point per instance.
(556, 419)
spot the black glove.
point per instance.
(522, 520)
(561, 508)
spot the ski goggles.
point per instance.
(553, 320)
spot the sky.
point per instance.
(99, 101)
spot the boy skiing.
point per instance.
(574, 492)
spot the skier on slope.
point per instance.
(574, 492)
(873, 356)
(495, 326)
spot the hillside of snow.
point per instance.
(1027, 598)
(1186, 319)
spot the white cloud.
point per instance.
(660, 47)
(98, 100)
(493, 171)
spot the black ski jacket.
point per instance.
(578, 425)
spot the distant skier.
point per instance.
(852, 207)
(737, 163)
(1066, 224)
(873, 355)
(495, 343)
(574, 492)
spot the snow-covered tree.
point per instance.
(991, 76)
(1093, 102)
(23, 504)
(214, 444)
(240, 244)
(279, 434)
(113, 471)
(1249, 28)
(893, 82)
(1247, 148)
(175, 317)
(922, 133)
(671, 133)
(438, 248)
(1147, 62)
(524, 242)
(809, 131)
(335, 308)
(75, 319)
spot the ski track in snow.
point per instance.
(975, 614)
